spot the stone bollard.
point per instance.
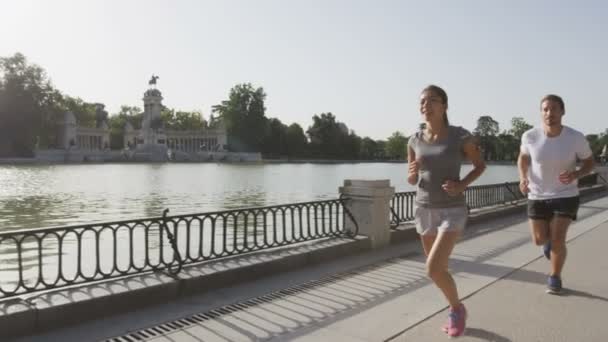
(369, 202)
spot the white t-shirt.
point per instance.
(550, 156)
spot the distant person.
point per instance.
(435, 154)
(548, 174)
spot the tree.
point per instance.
(595, 144)
(117, 123)
(486, 130)
(181, 120)
(369, 148)
(351, 146)
(28, 102)
(296, 141)
(603, 140)
(330, 138)
(507, 147)
(381, 149)
(325, 136)
(244, 116)
(486, 126)
(396, 146)
(275, 138)
(518, 127)
(133, 115)
(84, 112)
(53, 113)
(130, 111)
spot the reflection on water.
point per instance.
(253, 197)
(35, 211)
(42, 196)
(153, 204)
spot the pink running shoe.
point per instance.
(456, 322)
(446, 326)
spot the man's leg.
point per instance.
(540, 231)
(559, 227)
(540, 214)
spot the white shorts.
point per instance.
(430, 221)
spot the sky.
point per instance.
(364, 61)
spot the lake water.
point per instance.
(53, 195)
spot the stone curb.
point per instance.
(59, 308)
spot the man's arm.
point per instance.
(586, 168)
(523, 164)
(588, 163)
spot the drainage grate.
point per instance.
(173, 326)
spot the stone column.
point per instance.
(369, 202)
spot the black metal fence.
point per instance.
(42, 259)
(479, 196)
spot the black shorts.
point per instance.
(546, 209)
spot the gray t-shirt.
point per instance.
(440, 161)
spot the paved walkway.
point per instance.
(385, 295)
(515, 308)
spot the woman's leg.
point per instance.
(427, 243)
(438, 254)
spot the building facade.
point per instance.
(153, 133)
(151, 138)
(72, 136)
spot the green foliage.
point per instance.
(27, 100)
(595, 143)
(486, 126)
(506, 147)
(396, 146)
(117, 123)
(84, 112)
(296, 141)
(518, 127)
(486, 131)
(327, 137)
(130, 111)
(368, 148)
(180, 120)
(352, 146)
(31, 108)
(372, 149)
(275, 138)
(244, 116)
(133, 115)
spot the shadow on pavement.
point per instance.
(485, 335)
(576, 293)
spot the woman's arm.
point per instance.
(472, 153)
(412, 173)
